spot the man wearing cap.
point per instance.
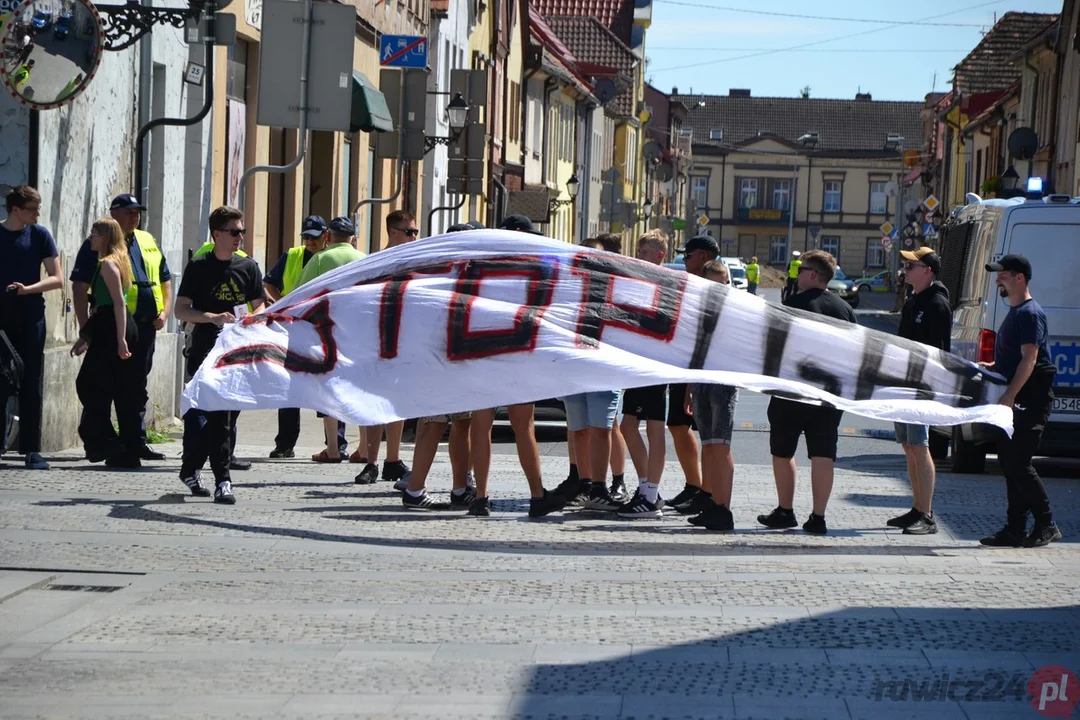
(279, 282)
(927, 318)
(1022, 356)
(792, 286)
(149, 299)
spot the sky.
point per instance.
(693, 44)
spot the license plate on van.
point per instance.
(1068, 405)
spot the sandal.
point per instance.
(324, 457)
(356, 457)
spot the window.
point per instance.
(748, 193)
(879, 201)
(781, 195)
(699, 191)
(875, 254)
(346, 175)
(716, 134)
(831, 245)
(834, 191)
(537, 121)
(778, 250)
(236, 79)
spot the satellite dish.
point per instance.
(664, 172)
(1023, 142)
(51, 51)
(651, 151)
(604, 90)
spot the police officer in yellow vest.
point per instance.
(149, 299)
(279, 282)
(794, 264)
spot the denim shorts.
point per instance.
(591, 410)
(907, 434)
(714, 412)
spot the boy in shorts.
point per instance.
(428, 433)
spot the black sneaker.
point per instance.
(368, 476)
(34, 461)
(699, 504)
(480, 507)
(549, 503)
(1005, 537)
(195, 485)
(393, 471)
(1042, 535)
(127, 461)
(718, 518)
(424, 503)
(618, 492)
(223, 493)
(600, 499)
(685, 497)
(568, 490)
(241, 465)
(639, 508)
(923, 525)
(282, 453)
(148, 453)
(815, 524)
(902, 521)
(707, 506)
(463, 500)
(779, 519)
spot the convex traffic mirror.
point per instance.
(49, 51)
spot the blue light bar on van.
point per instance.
(1035, 186)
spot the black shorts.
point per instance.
(676, 415)
(789, 419)
(646, 403)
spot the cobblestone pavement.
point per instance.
(315, 597)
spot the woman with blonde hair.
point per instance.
(105, 339)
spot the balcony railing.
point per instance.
(764, 216)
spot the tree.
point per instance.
(805, 92)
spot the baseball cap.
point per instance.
(126, 201)
(1011, 263)
(343, 226)
(459, 227)
(924, 255)
(313, 226)
(519, 223)
(476, 225)
(700, 242)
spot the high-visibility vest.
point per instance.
(793, 268)
(752, 272)
(209, 247)
(294, 265)
(151, 256)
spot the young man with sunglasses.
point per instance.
(214, 289)
(926, 317)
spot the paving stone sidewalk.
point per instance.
(314, 597)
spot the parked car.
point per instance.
(738, 272)
(1045, 231)
(62, 26)
(845, 288)
(873, 283)
(42, 19)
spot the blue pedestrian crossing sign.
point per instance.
(403, 51)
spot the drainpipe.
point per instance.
(146, 75)
(810, 179)
(550, 85)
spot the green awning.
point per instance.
(369, 110)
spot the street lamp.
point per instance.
(647, 207)
(1010, 179)
(572, 187)
(457, 115)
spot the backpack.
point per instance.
(11, 367)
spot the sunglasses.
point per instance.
(412, 232)
(912, 265)
(235, 232)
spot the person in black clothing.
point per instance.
(25, 247)
(215, 288)
(1022, 356)
(927, 318)
(788, 420)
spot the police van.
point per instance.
(1046, 230)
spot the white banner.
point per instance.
(488, 318)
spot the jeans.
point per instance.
(1024, 488)
(751, 288)
(591, 410)
(27, 336)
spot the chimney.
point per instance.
(674, 91)
(863, 97)
(739, 92)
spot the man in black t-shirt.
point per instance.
(1022, 355)
(788, 420)
(215, 288)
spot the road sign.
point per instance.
(703, 220)
(678, 224)
(931, 202)
(814, 231)
(886, 228)
(886, 242)
(403, 51)
(894, 233)
(929, 231)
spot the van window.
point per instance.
(1053, 281)
(953, 252)
(983, 245)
